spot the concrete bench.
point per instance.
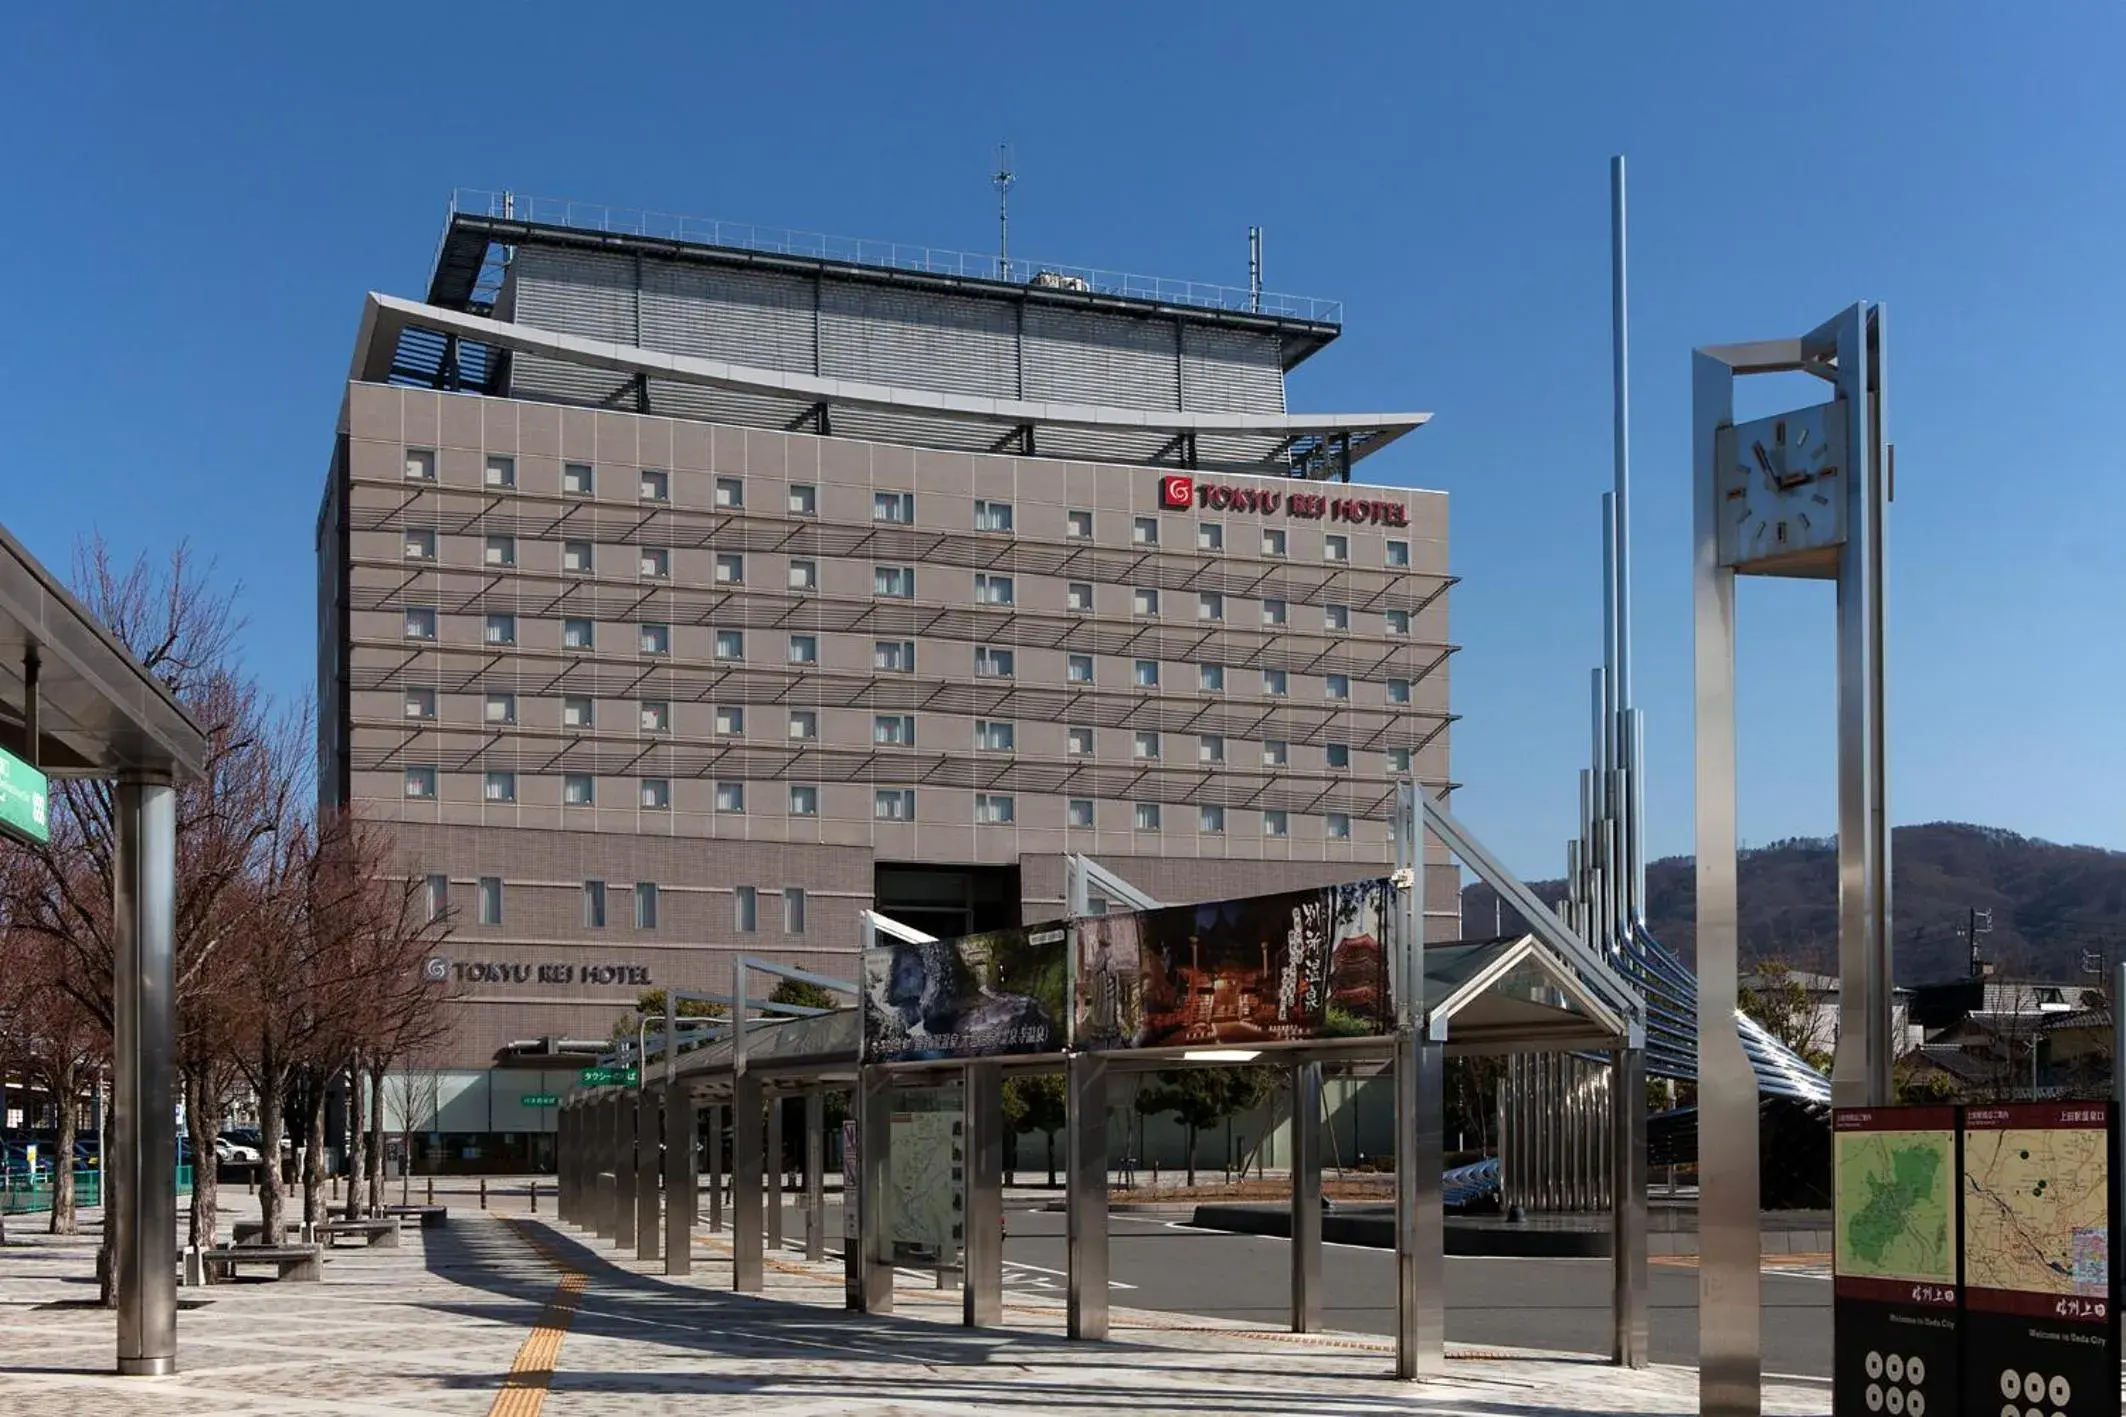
(430, 1216)
(301, 1263)
(384, 1232)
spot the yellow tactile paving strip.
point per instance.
(524, 1390)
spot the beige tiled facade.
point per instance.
(734, 587)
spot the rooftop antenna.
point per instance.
(1002, 180)
(1255, 268)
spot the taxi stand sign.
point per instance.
(25, 796)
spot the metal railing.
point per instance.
(889, 255)
(20, 1194)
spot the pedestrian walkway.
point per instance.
(517, 1316)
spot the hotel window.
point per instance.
(1336, 686)
(804, 725)
(990, 663)
(896, 581)
(1144, 745)
(1338, 755)
(993, 809)
(1335, 547)
(656, 486)
(730, 797)
(1210, 748)
(1398, 622)
(500, 472)
(1078, 742)
(654, 639)
(490, 900)
(730, 644)
(993, 590)
(730, 720)
(1079, 812)
(438, 887)
(501, 551)
(1147, 816)
(1210, 678)
(501, 787)
(992, 516)
(804, 500)
(1398, 691)
(594, 905)
(1276, 823)
(1144, 531)
(420, 703)
(804, 575)
(655, 716)
(1273, 542)
(420, 465)
(1398, 760)
(895, 730)
(1337, 826)
(1078, 595)
(645, 905)
(896, 507)
(894, 805)
(577, 634)
(730, 493)
(745, 909)
(577, 557)
(793, 910)
(1273, 612)
(421, 782)
(421, 623)
(1078, 525)
(1144, 601)
(1210, 821)
(577, 711)
(1336, 617)
(993, 736)
(804, 800)
(501, 708)
(1398, 553)
(577, 479)
(730, 568)
(804, 649)
(577, 790)
(1210, 605)
(1078, 669)
(1274, 682)
(1274, 753)
(893, 656)
(501, 629)
(420, 544)
(1210, 536)
(655, 563)
(656, 794)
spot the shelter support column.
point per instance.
(1627, 1199)
(604, 1123)
(815, 1173)
(564, 1155)
(982, 1298)
(874, 1155)
(1420, 1227)
(647, 1131)
(144, 1114)
(774, 1158)
(746, 1152)
(623, 1105)
(714, 1146)
(1306, 1197)
(678, 1179)
(1085, 1201)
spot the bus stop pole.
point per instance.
(144, 1196)
(1085, 1201)
(715, 1148)
(1306, 1197)
(982, 1298)
(774, 1157)
(874, 1156)
(815, 1173)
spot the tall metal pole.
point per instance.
(142, 1166)
(1620, 361)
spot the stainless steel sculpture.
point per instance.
(1800, 494)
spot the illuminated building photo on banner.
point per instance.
(1002, 991)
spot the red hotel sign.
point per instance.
(1178, 492)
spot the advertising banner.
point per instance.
(1894, 1342)
(1002, 991)
(2040, 1307)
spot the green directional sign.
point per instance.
(24, 798)
(611, 1077)
(540, 1099)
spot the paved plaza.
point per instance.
(508, 1313)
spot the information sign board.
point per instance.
(25, 800)
(611, 1077)
(1894, 1346)
(540, 1099)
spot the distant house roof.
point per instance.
(1955, 1062)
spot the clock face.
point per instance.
(1782, 492)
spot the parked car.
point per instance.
(235, 1153)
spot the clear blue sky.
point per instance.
(196, 205)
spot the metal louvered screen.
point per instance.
(1089, 357)
(759, 318)
(1231, 371)
(918, 340)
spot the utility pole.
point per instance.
(1977, 923)
(1002, 180)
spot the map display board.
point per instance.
(1894, 1291)
(1001, 991)
(2040, 1302)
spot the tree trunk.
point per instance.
(272, 1185)
(1191, 1156)
(314, 1153)
(357, 1139)
(376, 1138)
(66, 1091)
(203, 1119)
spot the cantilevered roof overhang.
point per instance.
(99, 712)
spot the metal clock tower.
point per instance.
(1800, 494)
